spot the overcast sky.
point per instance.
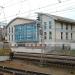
(10, 9)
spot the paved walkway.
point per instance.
(23, 49)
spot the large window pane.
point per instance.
(49, 24)
(45, 25)
(50, 35)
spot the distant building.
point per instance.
(48, 31)
(22, 32)
(2, 30)
(0, 34)
(57, 31)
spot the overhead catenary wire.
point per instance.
(3, 13)
(61, 11)
(42, 7)
(20, 8)
(49, 5)
(50, 12)
(66, 9)
(7, 6)
(34, 10)
(27, 0)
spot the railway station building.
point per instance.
(57, 31)
(48, 31)
(22, 32)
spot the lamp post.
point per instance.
(42, 41)
(41, 34)
(40, 26)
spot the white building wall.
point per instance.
(46, 19)
(16, 22)
(56, 31)
(73, 31)
(58, 35)
(69, 31)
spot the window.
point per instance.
(45, 35)
(38, 18)
(71, 36)
(61, 25)
(12, 29)
(71, 26)
(25, 32)
(50, 35)
(20, 37)
(12, 37)
(9, 37)
(66, 27)
(45, 24)
(61, 35)
(66, 36)
(9, 29)
(49, 24)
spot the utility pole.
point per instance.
(41, 40)
(41, 33)
(3, 13)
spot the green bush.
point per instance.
(4, 52)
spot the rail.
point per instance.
(47, 57)
(19, 71)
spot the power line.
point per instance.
(61, 11)
(53, 12)
(27, 0)
(14, 4)
(65, 10)
(20, 8)
(38, 8)
(70, 10)
(56, 7)
(34, 10)
(3, 12)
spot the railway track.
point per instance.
(47, 57)
(19, 71)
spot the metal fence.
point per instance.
(57, 47)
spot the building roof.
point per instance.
(59, 18)
(18, 18)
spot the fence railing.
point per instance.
(56, 48)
